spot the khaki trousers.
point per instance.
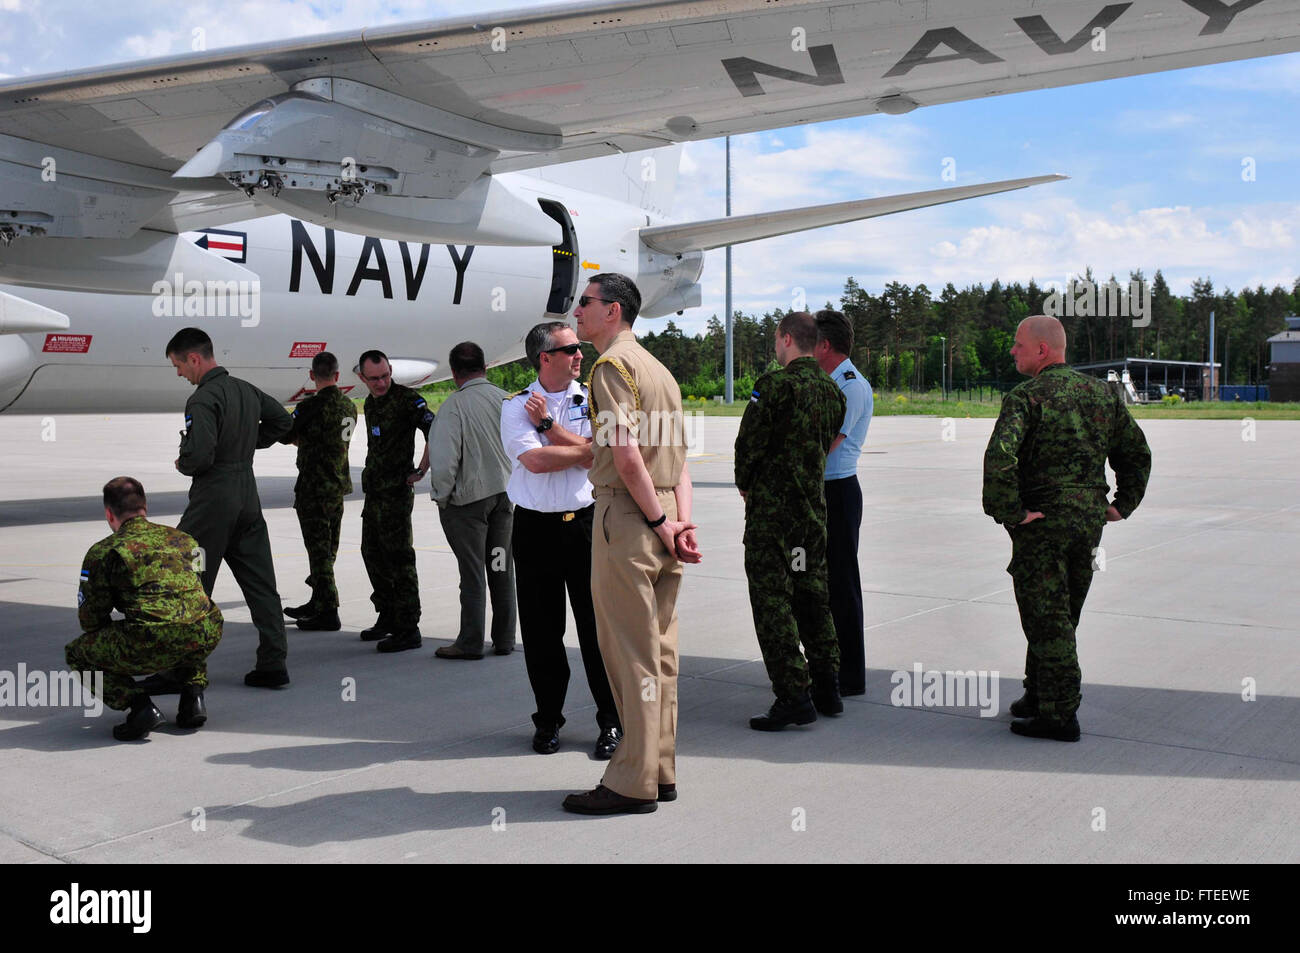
(634, 583)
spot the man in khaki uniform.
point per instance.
(642, 534)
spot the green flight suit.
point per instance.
(387, 546)
(1047, 453)
(148, 573)
(787, 430)
(226, 419)
(322, 429)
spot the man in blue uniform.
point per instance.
(844, 496)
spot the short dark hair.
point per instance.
(188, 341)
(541, 338)
(124, 496)
(374, 357)
(621, 290)
(800, 326)
(466, 358)
(837, 330)
(324, 364)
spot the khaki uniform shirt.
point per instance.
(630, 388)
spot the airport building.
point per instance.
(1149, 380)
(1284, 362)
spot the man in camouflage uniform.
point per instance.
(393, 414)
(1045, 481)
(225, 420)
(322, 429)
(147, 572)
(792, 418)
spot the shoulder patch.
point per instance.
(850, 376)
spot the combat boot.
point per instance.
(1042, 728)
(381, 628)
(144, 718)
(304, 611)
(192, 713)
(826, 692)
(798, 710)
(401, 641)
(327, 621)
(1026, 706)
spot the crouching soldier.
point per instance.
(149, 573)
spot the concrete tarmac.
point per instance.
(1191, 694)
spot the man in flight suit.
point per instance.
(147, 572)
(226, 419)
(1045, 481)
(793, 415)
(322, 429)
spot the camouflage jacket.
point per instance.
(322, 429)
(391, 423)
(148, 572)
(1050, 445)
(792, 418)
(226, 419)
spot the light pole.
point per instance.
(943, 366)
(729, 373)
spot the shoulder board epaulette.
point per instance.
(518, 393)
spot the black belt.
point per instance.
(562, 516)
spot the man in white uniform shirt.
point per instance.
(547, 436)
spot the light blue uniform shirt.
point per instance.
(858, 403)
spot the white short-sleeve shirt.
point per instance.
(559, 491)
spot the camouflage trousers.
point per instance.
(120, 651)
(321, 521)
(785, 563)
(1051, 569)
(388, 550)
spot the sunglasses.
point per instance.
(569, 349)
(586, 300)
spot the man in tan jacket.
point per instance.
(469, 473)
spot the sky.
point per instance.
(1156, 162)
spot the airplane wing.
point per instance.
(677, 239)
(409, 122)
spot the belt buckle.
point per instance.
(567, 517)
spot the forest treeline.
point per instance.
(899, 334)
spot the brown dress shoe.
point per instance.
(601, 800)
(455, 651)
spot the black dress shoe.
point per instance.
(160, 683)
(1042, 728)
(502, 649)
(607, 744)
(601, 800)
(323, 622)
(785, 712)
(826, 693)
(401, 641)
(304, 611)
(381, 628)
(1026, 706)
(667, 792)
(192, 713)
(546, 740)
(143, 719)
(263, 678)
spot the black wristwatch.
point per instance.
(546, 424)
(657, 523)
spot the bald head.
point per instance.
(1040, 342)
